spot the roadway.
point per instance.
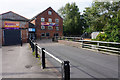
(84, 63)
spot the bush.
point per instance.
(101, 37)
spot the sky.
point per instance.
(30, 8)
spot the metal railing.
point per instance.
(65, 66)
(97, 45)
(70, 38)
(101, 45)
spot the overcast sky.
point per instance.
(30, 8)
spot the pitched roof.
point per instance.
(31, 25)
(43, 12)
(13, 16)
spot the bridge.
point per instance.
(84, 63)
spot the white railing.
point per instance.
(98, 45)
(41, 52)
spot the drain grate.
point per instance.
(28, 66)
(10, 50)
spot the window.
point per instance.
(57, 28)
(42, 34)
(49, 12)
(57, 20)
(42, 19)
(42, 27)
(56, 34)
(50, 27)
(49, 20)
(47, 34)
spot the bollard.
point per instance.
(73, 39)
(82, 44)
(21, 42)
(98, 46)
(66, 70)
(62, 70)
(56, 39)
(53, 39)
(33, 46)
(43, 58)
(30, 42)
(36, 51)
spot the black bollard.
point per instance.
(33, 47)
(36, 51)
(21, 42)
(43, 58)
(66, 70)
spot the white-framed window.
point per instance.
(56, 20)
(50, 27)
(42, 34)
(47, 34)
(42, 19)
(57, 28)
(49, 12)
(49, 20)
(42, 27)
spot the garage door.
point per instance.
(12, 37)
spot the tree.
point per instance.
(71, 19)
(96, 16)
(104, 16)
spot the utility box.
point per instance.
(94, 35)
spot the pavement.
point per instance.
(18, 62)
(83, 63)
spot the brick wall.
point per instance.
(24, 30)
(45, 15)
(24, 35)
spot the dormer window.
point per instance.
(49, 12)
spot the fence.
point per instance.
(101, 45)
(71, 38)
(65, 66)
(97, 45)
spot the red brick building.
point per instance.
(48, 24)
(14, 28)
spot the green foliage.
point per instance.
(34, 53)
(72, 21)
(104, 17)
(101, 37)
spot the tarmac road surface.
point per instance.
(83, 63)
